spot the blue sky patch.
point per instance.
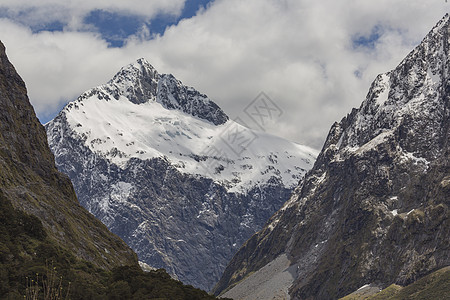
(159, 24)
(115, 28)
(368, 41)
(192, 6)
(52, 26)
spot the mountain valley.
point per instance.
(144, 181)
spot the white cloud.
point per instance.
(57, 66)
(299, 52)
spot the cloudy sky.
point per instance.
(314, 59)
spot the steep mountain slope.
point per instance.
(31, 182)
(164, 168)
(375, 207)
(50, 246)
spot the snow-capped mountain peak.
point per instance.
(164, 167)
(142, 114)
(137, 82)
(140, 83)
(404, 95)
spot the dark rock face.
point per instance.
(187, 224)
(141, 79)
(375, 206)
(189, 101)
(21, 133)
(31, 182)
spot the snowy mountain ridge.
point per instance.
(141, 114)
(413, 88)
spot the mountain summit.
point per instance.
(374, 209)
(140, 83)
(164, 168)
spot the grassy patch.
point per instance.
(434, 286)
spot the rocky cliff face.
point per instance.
(375, 207)
(164, 168)
(31, 182)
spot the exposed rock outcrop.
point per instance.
(375, 207)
